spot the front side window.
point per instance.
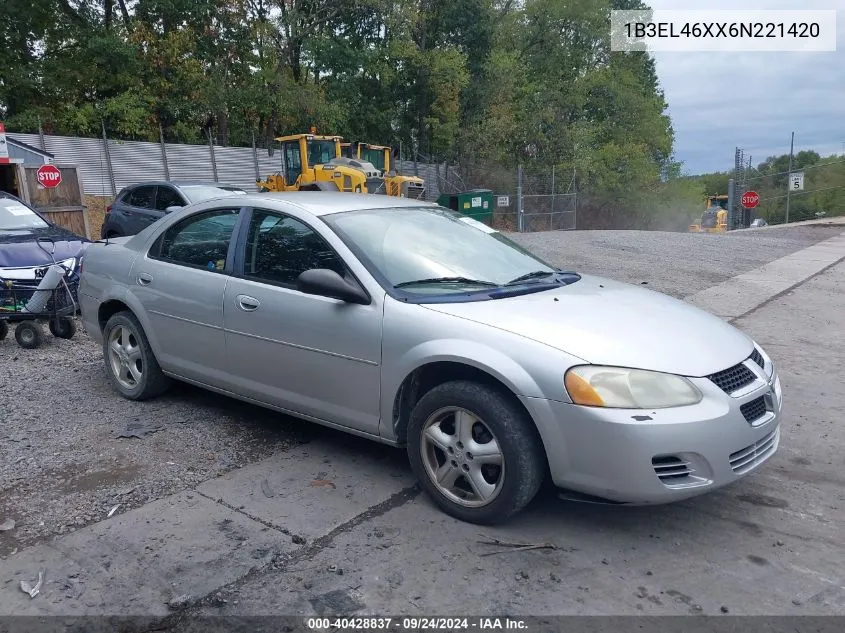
(435, 251)
(199, 241)
(16, 216)
(280, 248)
(168, 197)
(143, 197)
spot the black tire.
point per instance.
(29, 334)
(4, 329)
(63, 327)
(152, 382)
(522, 451)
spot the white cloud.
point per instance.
(720, 101)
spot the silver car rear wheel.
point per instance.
(125, 358)
(131, 366)
(462, 457)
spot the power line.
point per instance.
(781, 173)
(801, 193)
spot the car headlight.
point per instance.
(622, 388)
(69, 264)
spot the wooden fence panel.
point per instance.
(63, 204)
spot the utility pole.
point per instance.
(788, 176)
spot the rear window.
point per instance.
(15, 215)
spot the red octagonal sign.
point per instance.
(750, 199)
(49, 176)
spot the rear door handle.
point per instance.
(247, 303)
(145, 278)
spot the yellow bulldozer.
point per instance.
(715, 216)
(395, 184)
(314, 163)
(327, 163)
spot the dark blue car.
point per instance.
(22, 259)
(29, 244)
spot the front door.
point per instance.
(293, 162)
(142, 209)
(313, 355)
(180, 285)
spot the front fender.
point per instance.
(478, 355)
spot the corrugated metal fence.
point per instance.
(134, 161)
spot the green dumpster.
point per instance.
(476, 203)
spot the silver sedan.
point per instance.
(413, 325)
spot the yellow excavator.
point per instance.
(395, 185)
(715, 216)
(314, 163)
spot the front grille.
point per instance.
(751, 456)
(757, 357)
(376, 185)
(730, 380)
(671, 469)
(754, 410)
(415, 191)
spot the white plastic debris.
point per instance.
(8, 524)
(33, 591)
(112, 511)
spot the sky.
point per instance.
(753, 100)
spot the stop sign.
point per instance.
(750, 199)
(49, 176)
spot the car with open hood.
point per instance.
(413, 325)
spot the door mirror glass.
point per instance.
(327, 283)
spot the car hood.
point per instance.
(19, 248)
(606, 322)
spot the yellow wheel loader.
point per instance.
(314, 163)
(394, 184)
(715, 217)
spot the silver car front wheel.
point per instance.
(462, 457)
(475, 451)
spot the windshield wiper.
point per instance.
(445, 280)
(532, 275)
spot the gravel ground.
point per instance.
(696, 260)
(62, 465)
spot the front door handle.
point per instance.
(248, 304)
(145, 279)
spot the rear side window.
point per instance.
(199, 241)
(143, 197)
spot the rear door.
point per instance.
(180, 285)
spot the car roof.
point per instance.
(328, 202)
(183, 183)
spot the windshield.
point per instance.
(197, 193)
(321, 152)
(374, 156)
(432, 250)
(15, 215)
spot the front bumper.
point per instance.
(663, 455)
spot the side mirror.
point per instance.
(327, 283)
(172, 208)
